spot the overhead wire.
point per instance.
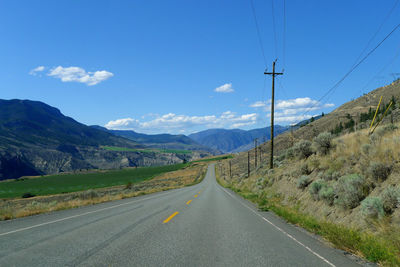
(274, 29)
(258, 32)
(333, 88)
(377, 31)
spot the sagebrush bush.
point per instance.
(327, 194)
(304, 169)
(379, 171)
(289, 154)
(349, 191)
(302, 149)
(315, 188)
(372, 207)
(303, 182)
(390, 127)
(89, 194)
(390, 199)
(323, 143)
(365, 149)
(331, 174)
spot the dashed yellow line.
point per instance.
(196, 195)
(187, 203)
(170, 217)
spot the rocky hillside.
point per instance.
(37, 139)
(332, 176)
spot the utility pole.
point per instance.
(230, 169)
(273, 73)
(248, 163)
(255, 152)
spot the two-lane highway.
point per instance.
(201, 225)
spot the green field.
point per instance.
(153, 150)
(62, 183)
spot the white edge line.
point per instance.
(280, 229)
(79, 215)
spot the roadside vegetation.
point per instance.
(185, 175)
(344, 188)
(153, 150)
(214, 158)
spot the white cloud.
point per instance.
(291, 110)
(36, 70)
(173, 123)
(258, 104)
(77, 74)
(226, 88)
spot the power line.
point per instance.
(377, 31)
(274, 28)
(258, 32)
(284, 34)
(351, 70)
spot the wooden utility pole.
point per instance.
(255, 152)
(248, 163)
(273, 73)
(230, 169)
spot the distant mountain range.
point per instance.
(234, 140)
(161, 141)
(37, 139)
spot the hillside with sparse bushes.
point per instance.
(343, 185)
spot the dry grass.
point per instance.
(10, 209)
(353, 153)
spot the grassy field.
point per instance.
(56, 184)
(154, 150)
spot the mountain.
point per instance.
(25, 122)
(37, 139)
(162, 141)
(234, 140)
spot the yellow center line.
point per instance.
(170, 217)
(195, 195)
(187, 203)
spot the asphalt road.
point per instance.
(201, 225)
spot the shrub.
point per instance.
(302, 149)
(323, 143)
(349, 191)
(379, 171)
(331, 174)
(315, 188)
(128, 185)
(365, 149)
(372, 207)
(28, 195)
(89, 194)
(390, 127)
(303, 182)
(289, 153)
(327, 194)
(390, 199)
(304, 169)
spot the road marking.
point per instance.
(281, 230)
(196, 195)
(83, 214)
(199, 191)
(170, 217)
(187, 203)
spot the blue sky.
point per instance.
(155, 66)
